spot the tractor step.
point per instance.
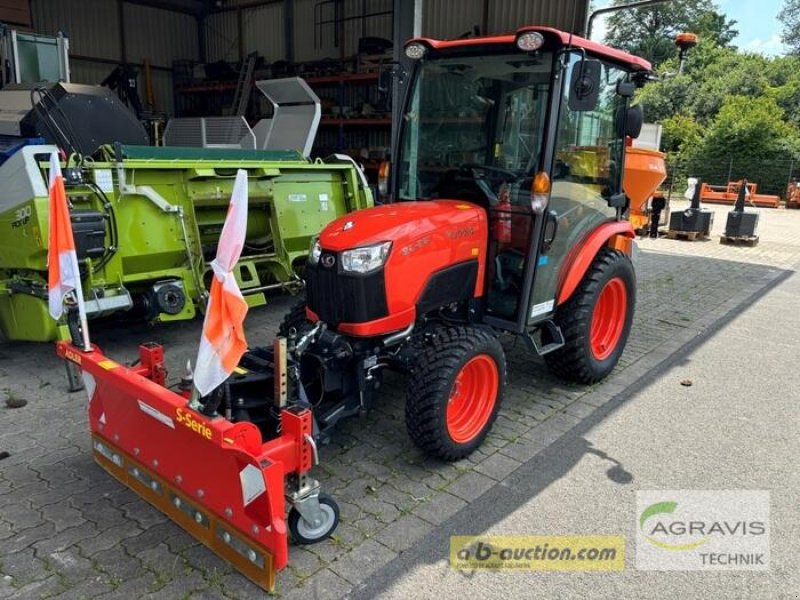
(743, 240)
(689, 236)
(554, 334)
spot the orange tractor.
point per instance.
(509, 219)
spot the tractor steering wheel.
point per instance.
(507, 175)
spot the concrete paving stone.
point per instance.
(70, 566)
(234, 585)
(117, 565)
(523, 450)
(416, 488)
(439, 508)
(129, 588)
(63, 515)
(598, 398)
(178, 588)
(470, 485)
(201, 558)
(381, 510)
(152, 536)
(548, 432)
(6, 531)
(143, 513)
(348, 535)
(108, 538)
(42, 588)
(562, 421)
(401, 534)
(325, 585)
(579, 409)
(369, 525)
(304, 562)
(89, 588)
(28, 537)
(498, 466)
(362, 562)
(23, 567)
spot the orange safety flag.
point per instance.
(222, 343)
(63, 275)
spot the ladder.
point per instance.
(244, 85)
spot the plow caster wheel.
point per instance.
(454, 392)
(304, 532)
(596, 320)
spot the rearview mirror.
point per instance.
(634, 119)
(584, 89)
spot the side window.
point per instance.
(589, 146)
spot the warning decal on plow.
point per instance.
(156, 414)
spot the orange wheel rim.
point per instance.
(608, 319)
(472, 398)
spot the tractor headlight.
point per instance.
(366, 259)
(315, 251)
(530, 41)
(416, 51)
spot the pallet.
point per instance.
(743, 240)
(690, 236)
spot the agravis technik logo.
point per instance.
(702, 530)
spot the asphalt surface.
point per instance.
(735, 428)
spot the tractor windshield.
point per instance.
(473, 123)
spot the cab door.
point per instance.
(586, 179)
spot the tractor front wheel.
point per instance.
(454, 392)
(596, 320)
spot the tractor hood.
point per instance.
(403, 223)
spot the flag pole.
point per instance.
(87, 344)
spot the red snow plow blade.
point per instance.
(217, 479)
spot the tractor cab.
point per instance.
(532, 128)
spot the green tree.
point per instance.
(748, 128)
(790, 18)
(650, 32)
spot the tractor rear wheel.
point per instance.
(596, 320)
(295, 319)
(454, 392)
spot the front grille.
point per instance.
(338, 297)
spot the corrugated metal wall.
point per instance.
(92, 25)
(222, 36)
(314, 41)
(451, 18)
(96, 46)
(163, 36)
(262, 32)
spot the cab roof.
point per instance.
(554, 39)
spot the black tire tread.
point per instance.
(574, 317)
(296, 317)
(432, 378)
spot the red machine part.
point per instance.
(616, 233)
(427, 236)
(501, 228)
(218, 480)
(561, 38)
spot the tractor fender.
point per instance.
(578, 262)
